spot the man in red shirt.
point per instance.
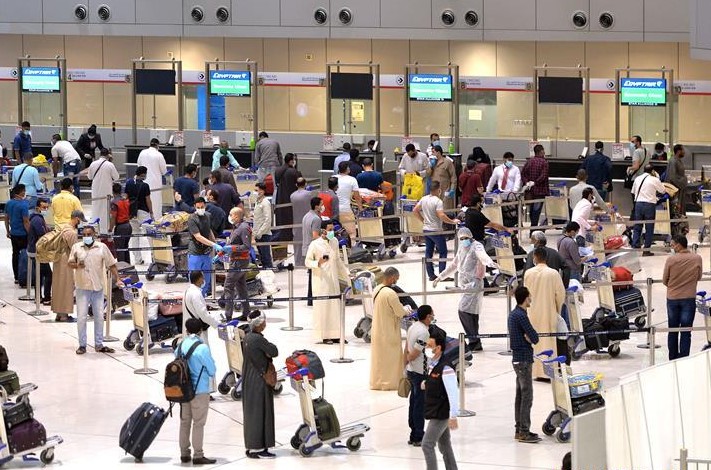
(535, 175)
(470, 183)
(120, 224)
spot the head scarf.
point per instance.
(257, 321)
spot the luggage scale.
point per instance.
(572, 394)
(231, 382)
(46, 450)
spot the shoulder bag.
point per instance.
(205, 326)
(629, 177)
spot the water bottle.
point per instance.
(251, 144)
(451, 147)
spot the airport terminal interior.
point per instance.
(556, 79)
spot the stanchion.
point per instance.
(290, 278)
(508, 351)
(456, 249)
(424, 281)
(28, 296)
(146, 338)
(342, 335)
(650, 344)
(463, 411)
(213, 275)
(109, 310)
(38, 310)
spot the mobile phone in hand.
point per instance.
(325, 257)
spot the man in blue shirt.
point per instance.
(17, 223)
(194, 413)
(223, 151)
(38, 227)
(187, 185)
(522, 336)
(369, 178)
(28, 175)
(599, 168)
(344, 157)
(22, 145)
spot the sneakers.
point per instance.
(529, 438)
(203, 461)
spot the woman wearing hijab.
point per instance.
(483, 164)
(87, 144)
(470, 262)
(257, 395)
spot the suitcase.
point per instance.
(25, 436)
(171, 304)
(596, 342)
(10, 382)
(629, 302)
(587, 403)
(16, 413)
(141, 428)
(363, 327)
(614, 324)
(359, 254)
(327, 425)
(305, 358)
(162, 328)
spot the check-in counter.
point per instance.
(243, 155)
(174, 155)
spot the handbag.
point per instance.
(270, 375)
(403, 387)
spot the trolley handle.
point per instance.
(572, 289)
(303, 372)
(232, 323)
(127, 284)
(546, 357)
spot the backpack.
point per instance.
(177, 383)
(50, 246)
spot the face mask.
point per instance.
(632, 147)
(27, 133)
(433, 161)
(330, 235)
(673, 251)
(429, 354)
(231, 220)
(200, 212)
(88, 241)
(92, 136)
(436, 142)
(43, 212)
(466, 243)
(223, 151)
(508, 164)
(322, 209)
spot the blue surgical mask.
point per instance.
(508, 164)
(27, 133)
(466, 243)
(330, 235)
(43, 212)
(632, 147)
(436, 142)
(88, 241)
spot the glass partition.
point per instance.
(478, 113)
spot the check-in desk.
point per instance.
(174, 155)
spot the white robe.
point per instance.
(154, 162)
(102, 174)
(325, 282)
(193, 299)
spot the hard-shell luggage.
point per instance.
(171, 304)
(363, 327)
(308, 359)
(587, 403)
(141, 428)
(629, 302)
(163, 328)
(25, 436)
(10, 382)
(16, 413)
(359, 254)
(327, 424)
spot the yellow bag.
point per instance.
(173, 222)
(413, 187)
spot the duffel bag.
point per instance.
(173, 221)
(305, 359)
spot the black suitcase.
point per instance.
(629, 302)
(594, 342)
(163, 328)
(587, 403)
(327, 424)
(359, 254)
(10, 382)
(16, 413)
(141, 428)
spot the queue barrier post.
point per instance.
(109, 309)
(213, 275)
(461, 367)
(342, 334)
(650, 344)
(32, 260)
(28, 297)
(290, 277)
(424, 280)
(145, 370)
(508, 351)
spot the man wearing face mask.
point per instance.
(582, 212)
(141, 209)
(434, 141)
(89, 259)
(324, 260)
(430, 210)
(575, 193)
(506, 177)
(64, 153)
(102, 174)
(237, 248)
(17, 223)
(262, 218)
(300, 206)
(470, 262)
(535, 177)
(414, 162)
(120, 223)
(88, 143)
(227, 175)
(444, 173)
(223, 151)
(22, 145)
(62, 280)
(477, 222)
(310, 230)
(29, 176)
(154, 162)
(38, 227)
(416, 366)
(201, 242)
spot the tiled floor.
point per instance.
(86, 399)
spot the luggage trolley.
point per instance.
(169, 253)
(572, 394)
(705, 228)
(662, 224)
(370, 227)
(703, 306)
(492, 207)
(412, 224)
(306, 439)
(160, 330)
(503, 246)
(231, 382)
(556, 204)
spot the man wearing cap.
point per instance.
(62, 280)
(89, 259)
(156, 167)
(102, 174)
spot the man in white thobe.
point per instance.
(154, 161)
(327, 267)
(102, 174)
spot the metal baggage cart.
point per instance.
(231, 382)
(662, 224)
(703, 306)
(412, 224)
(705, 228)
(135, 295)
(245, 181)
(503, 245)
(167, 258)
(572, 394)
(608, 222)
(556, 203)
(492, 207)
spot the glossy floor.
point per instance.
(86, 399)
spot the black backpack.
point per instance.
(177, 383)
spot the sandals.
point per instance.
(105, 349)
(81, 350)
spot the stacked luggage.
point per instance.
(614, 324)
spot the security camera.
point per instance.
(320, 16)
(580, 19)
(104, 13)
(197, 14)
(607, 20)
(222, 14)
(345, 16)
(448, 17)
(81, 12)
(471, 18)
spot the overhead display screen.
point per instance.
(40, 79)
(643, 92)
(155, 82)
(560, 90)
(430, 87)
(352, 86)
(230, 83)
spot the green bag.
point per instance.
(327, 424)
